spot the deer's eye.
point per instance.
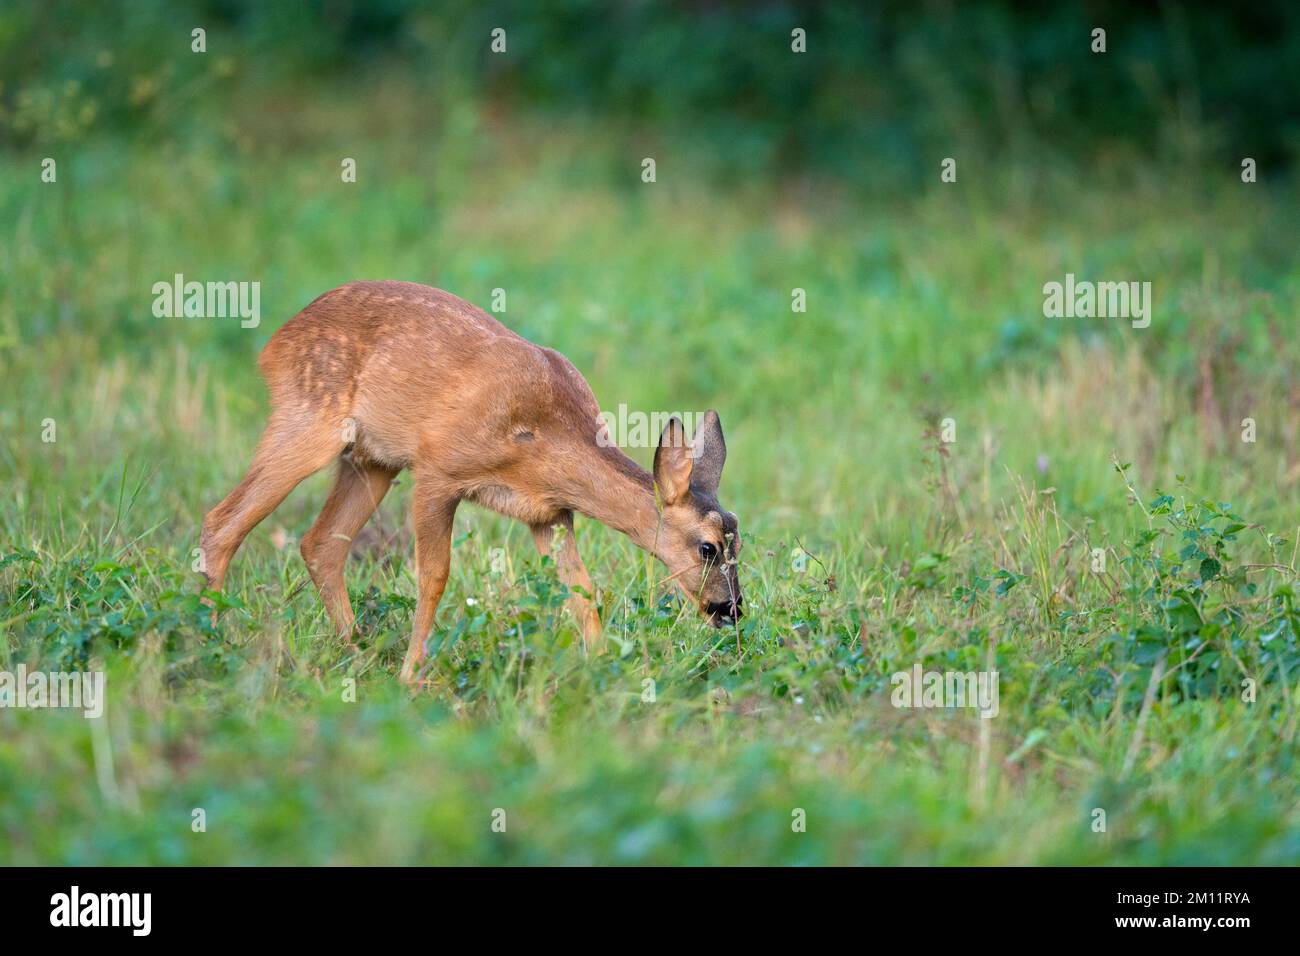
(708, 552)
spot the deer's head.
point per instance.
(699, 541)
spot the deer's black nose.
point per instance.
(724, 612)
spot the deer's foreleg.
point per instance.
(556, 539)
(434, 511)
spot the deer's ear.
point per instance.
(673, 462)
(710, 450)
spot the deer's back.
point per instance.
(411, 367)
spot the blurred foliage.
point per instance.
(886, 87)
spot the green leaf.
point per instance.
(1034, 736)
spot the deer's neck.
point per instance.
(618, 493)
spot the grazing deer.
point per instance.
(382, 376)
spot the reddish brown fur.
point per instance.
(399, 375)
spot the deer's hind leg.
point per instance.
(358, 489)
(291, 449)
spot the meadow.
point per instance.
(926, 470)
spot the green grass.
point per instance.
(675, 295)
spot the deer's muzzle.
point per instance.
(724, 612)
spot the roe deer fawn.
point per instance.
(383, 376)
